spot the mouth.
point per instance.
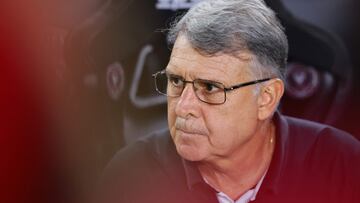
(189, 127)
(188, 132)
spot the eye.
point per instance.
(176, 81)
(210, 87)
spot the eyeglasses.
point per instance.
(207, 91)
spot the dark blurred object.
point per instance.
(125, 32)
(340, 17)
(84, 101)
(323, 39)
(26, 168)
(320, 74)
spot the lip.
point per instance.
(188, 131)
(189, 127)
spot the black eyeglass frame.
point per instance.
(225, 89)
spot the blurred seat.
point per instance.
(319, 77)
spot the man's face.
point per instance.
(205, 132)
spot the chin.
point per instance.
(190, 153)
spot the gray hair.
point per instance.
(231, 26)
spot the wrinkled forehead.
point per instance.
(186, 58)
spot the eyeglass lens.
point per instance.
(207, 91)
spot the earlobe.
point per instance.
(269, 98)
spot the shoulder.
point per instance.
(320, 137)
(138, 168)
(319, 161)
(148, 150)
(319, 148)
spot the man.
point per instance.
(226, 141)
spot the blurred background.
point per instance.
(76, 85)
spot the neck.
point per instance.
(243, 169)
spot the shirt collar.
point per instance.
(277, 164)
(248, 196)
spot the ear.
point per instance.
(269, 98)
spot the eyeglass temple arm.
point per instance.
(246, 84)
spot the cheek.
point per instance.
(221, 130)
(171, 115)
(231, 125)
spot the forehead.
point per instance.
(188, 62)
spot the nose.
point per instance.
(188, 103)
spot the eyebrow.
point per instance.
(196, 78)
